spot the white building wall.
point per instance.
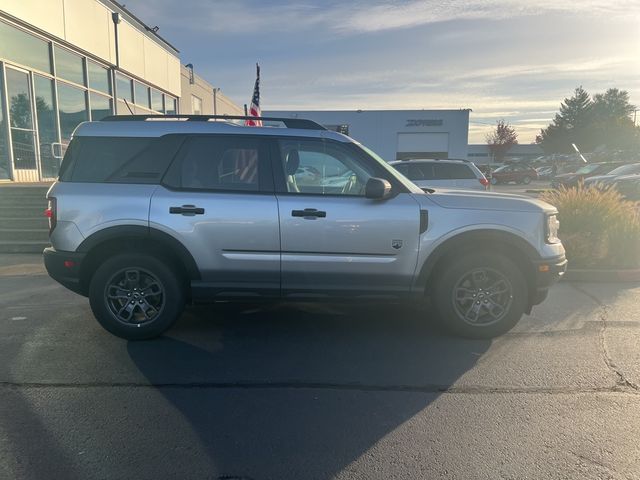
(385, 131)
(87, 24)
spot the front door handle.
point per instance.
(309, 213)
(188, 210)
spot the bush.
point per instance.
(597, 227)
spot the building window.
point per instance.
(171, 105)
(98, 77)
(69, 66)
(157, 101)
(196, 105)
(124, 87)
(72, 107)
(23, 48)
(47, 125)
(100, 106)
(142, 95)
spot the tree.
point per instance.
(587, 122)
(501, 140)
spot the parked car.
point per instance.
(628, 186)
(546, 172)
(586, 171)
(149, 216)
(609, 178)
(518, 173)
(457, 174)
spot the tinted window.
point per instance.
(423, 171)
(95, 159)
(403, 169)
(219, 163)
(453, 171)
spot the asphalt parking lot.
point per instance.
(317, 392)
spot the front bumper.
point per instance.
(548, 272)
(64, 267)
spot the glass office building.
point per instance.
(48, 85)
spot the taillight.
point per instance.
(484, 182)
(51, 213)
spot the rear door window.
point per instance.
(216, 162)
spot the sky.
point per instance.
(504, 59)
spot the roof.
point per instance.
(158, 128)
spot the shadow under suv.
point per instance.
(151, 213)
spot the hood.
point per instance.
(474, 200)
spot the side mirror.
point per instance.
(377, 188)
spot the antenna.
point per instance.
(127, 104)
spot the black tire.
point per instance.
(152, 307)
(456, 292)
(526, 180)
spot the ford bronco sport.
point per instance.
(151, 213)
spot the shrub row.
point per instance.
(598, 227)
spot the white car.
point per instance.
(456, 174)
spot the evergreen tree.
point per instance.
(589, 123)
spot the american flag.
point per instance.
(254, 110)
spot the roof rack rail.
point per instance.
(300, 123)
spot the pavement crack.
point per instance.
(355, 387)
(621, 379)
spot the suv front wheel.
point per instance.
(136, 296)
(480, 295)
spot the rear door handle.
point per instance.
(309, 213)
(188, 210)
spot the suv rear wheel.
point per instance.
(136, 296)
(480, 295)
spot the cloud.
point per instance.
(357, 17)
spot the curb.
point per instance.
(602, 275)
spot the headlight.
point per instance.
(553, 225)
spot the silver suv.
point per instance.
(456, 174)
(152, 213)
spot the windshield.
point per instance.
(587, 169)
(626, 169)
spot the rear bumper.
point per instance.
(64, 267)
(548, 272)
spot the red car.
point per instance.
(513, 173)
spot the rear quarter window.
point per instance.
(118, 159)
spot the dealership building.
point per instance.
(397, 134)
(63, 62)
